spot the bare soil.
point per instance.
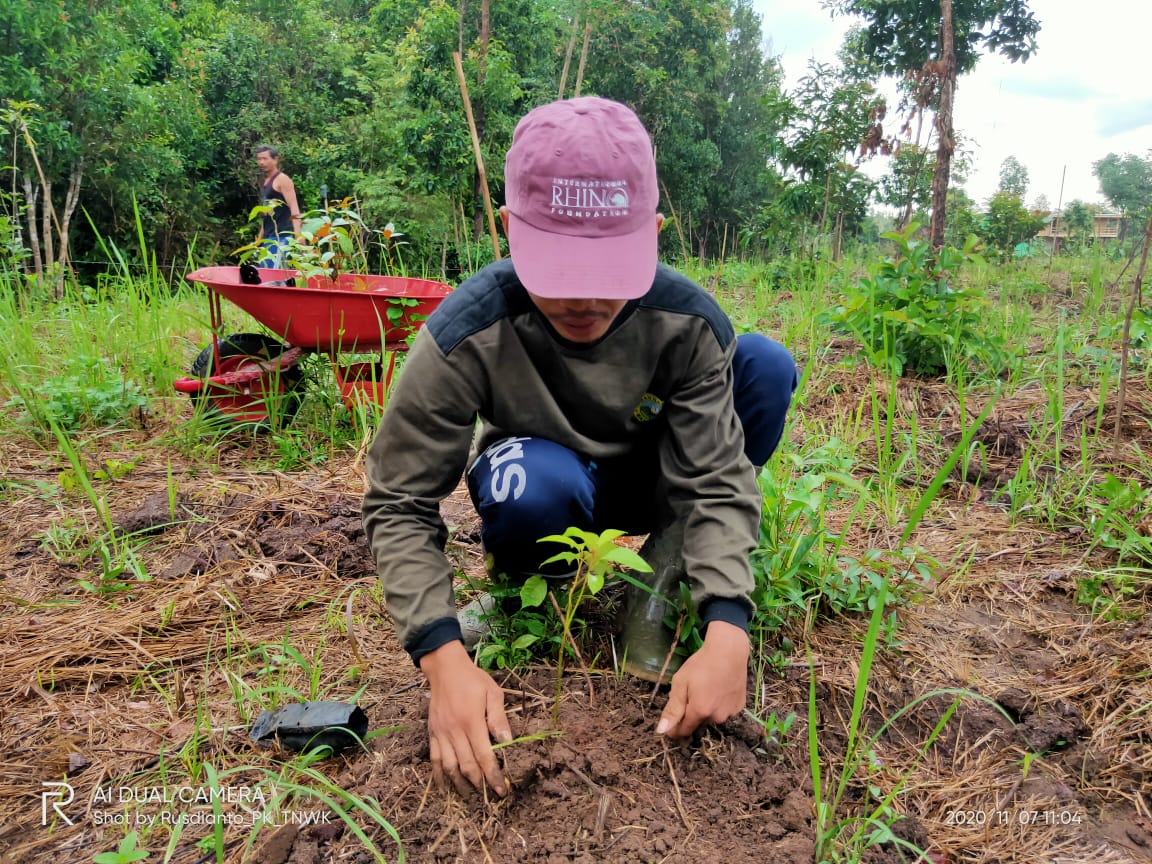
(136, 689)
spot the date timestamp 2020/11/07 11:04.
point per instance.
(1013, 817)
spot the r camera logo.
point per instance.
(53, 791)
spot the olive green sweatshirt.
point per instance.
(660, 377)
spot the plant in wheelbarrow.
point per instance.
(253, 379)
(330, 242)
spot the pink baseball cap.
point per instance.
(580, 188)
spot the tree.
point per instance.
(695, 73)
(963, 219)
(1013, 177)
(1007, 222)
(1080, 219)
(745, 127)
(908, 183)
(1126, 181)
(826, 120)
(1041, 204)
(666, 61)
(934, 42)
(81, 90)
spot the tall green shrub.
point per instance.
(913, 314)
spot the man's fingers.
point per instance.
(448, 765)
(467, 760)
(435, 758)
(501, 731)
(463, 787)
(497, 719)
(450, 759)
(688, 724)
(673, 712)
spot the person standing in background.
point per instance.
(283, 222)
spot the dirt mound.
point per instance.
(599, 785)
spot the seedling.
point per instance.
(775, 729)
(126, 852)
(911, 314)
(595, 558)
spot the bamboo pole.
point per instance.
(676, 222)
(568, 54)
(583, 57)
(477, 154)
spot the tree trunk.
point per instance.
(460, 26)
(824, 211)
(71, 199)
(945, 143)
(46, 224)
(1126, 343)
(31, 199)
(914, 182)
(485, 37)
(480, 114)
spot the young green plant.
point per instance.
(854, 833)
(594, 558)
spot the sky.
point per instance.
(1081, 96)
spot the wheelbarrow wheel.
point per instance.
(270, 400)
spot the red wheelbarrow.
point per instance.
(253, 377)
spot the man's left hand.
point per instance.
(712, 685)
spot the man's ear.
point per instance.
(659, 222)
(504, 219)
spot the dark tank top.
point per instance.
(278, 223)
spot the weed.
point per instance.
(1105, 592)
(1120, 520)
(798, 566)
(64, 540)
(838, 833)
(90, 394)
(775, 729)
(126, 853)
(116, 555)
(283, 674)
(911, 313)
(518, 636)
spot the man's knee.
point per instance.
(764, 365)
(524, 489)
(764, 379)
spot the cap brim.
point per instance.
(561, 266)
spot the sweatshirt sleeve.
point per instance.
(712, 486)
(415, 461)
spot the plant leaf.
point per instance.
(625, 557)
(533, 591)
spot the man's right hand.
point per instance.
(466, 707)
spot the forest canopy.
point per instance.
(132, 125)
(143, 116)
